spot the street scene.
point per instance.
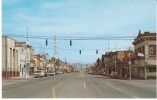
(78, 85)
(79, 49)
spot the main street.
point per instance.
(78, 85)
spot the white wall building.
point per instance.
(24, 58)
(15, 58)
(9, 58)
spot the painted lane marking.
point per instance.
(114, 87)
(118, 89)
(53, 92)
(53, 89)
(84, 85)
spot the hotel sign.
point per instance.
(20, 44)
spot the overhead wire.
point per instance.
(73, 38)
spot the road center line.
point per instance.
(53, 92)
(84, 85)
(114, 87)
(118, 89)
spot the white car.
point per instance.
(39, 73)
(60, 72)
(52, 73)
(114, 74)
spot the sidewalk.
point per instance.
(14, 80)
(22, 77)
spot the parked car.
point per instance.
(56, 72)
(90, 72)
(114, 75)
(46, 74)
(39, 73)
(52, 73)
(60, 72)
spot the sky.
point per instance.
(78, 18)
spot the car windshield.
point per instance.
(38, 71)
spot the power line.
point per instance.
(73, 38)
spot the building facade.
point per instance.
(9, 58)
(16, 58)
(145, 64)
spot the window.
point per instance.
(151, 50)
(143, 49)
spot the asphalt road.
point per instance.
(78, 85)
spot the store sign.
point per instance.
(20, 44)
(121, 54)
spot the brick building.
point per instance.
(145, 66)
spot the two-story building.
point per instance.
(145, 51)
(9, 58)
(16, 58)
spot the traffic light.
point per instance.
(96, 51)
(80, 51)
(70, 42)
(46, 42)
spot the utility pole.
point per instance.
(115, 57)
(108, 45)
(26, 58)
(27, 33)
(26, 69)
(108, 62)
(129, 65)
(65, 60)
(38, 56)
(145, 63)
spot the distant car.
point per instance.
(39, 73)
(52, 73)
(60, 72)
(114, 74)
(90, 72)
(56, 73)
